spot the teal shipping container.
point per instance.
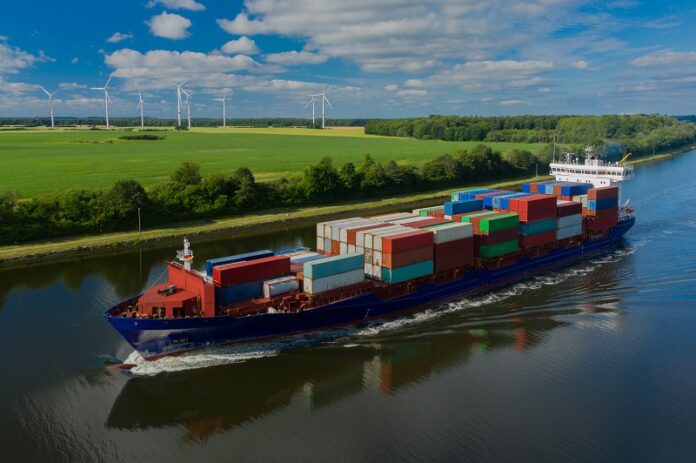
(334, 265)
(534, 228)
(408, 272)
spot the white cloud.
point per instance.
(665, 58)
(412, 92)
(119, 37)
(291, 58)
(581, 64)
(544, 90)
(242, 46)
(13, 59)
(71, 85)
(75, 60)
(391, 87)
(191, 5)
(487, 75)
(510, 102)
(170, 26)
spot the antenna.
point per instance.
(179, 102)
(188, 105)
(224, 115)
(140, 106)
(107, 98)
(50, 103)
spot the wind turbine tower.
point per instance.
(50, 103)
(324, 100)
(312, 102)
(142, 109)
(179, 102)
(188, 105)
(224, 114)
(107, 98)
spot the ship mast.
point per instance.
(185, 255)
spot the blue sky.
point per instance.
(374, 58)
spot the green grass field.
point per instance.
(37, 162)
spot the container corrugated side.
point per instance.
(369, 237)
(210, 263)
(346, 230)
(499, 222)
(328, 283)
(451, 232)
(540, 226)
(251, 270)
(497, 250)
(569, 220)
(463, 206)
(327, 266)
(409, 272)
(240, 292)
(569, 232)
(278, 286)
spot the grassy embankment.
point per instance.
(248, 223)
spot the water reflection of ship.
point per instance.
(210, 400)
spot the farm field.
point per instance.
(37, 162)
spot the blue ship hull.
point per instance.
(154, 338)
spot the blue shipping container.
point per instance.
(599, 204)
(488, 200)
(470, 194)
(576, 189)
(409, 272)
(334, 265)
(526, 188)
(236, 293)
(504, 201)
(305, 258)
(290, 251)
(464, 206)
(210, 263)
(540, 226)
(548, 188)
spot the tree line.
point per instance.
(162, 122)
(640, 134)
(190, 195)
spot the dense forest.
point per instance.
(639, 134)
(153, 122)
(188, 195)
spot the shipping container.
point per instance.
(498, 237)
(466, 218)
(594, 225)
(210, 263)
(497, 250)
(428, 222)
(463, 247)
(599, 204)
(346, 229)
(392, 216)
(603, 192)
(405, 242)
(468, 194)
(240, 292)
(444, 233)
(251, 270)
(569, 232)
(565, 208)
(463, 206)
(534, 207)
(440, 213)
(424, 211)
(500, 203)
(353, 232)
(363, 238)
(569, 220)
(320, 243)
(540, 239)
(379, 240)
(302, 257)
(582, 199)
(498, 222)
(370, 236)
(333, 265)
(540, 226)
(608, 212)
(409, 272)
(328, 283)
(278, 286)
(575, 189)
(402, 259)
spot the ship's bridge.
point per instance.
(591, 170)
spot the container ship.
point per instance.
(364, 268)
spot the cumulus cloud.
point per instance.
(510, 102)
(191, 5)
(291, 58)
(487, 75)
(71, 86)
(412, 92)
(581, 64)
(242, 46)
(13, 59)
(391, 87)
(119, 37)
(75, 60)
(665, 58)
(170, 26)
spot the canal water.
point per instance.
(596, 362)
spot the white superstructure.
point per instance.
(593, 170)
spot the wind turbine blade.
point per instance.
(183, 83)
(96, 88)
(45, 91)
(108, 97)
(310, 102)
(328, 102)
(109, 81)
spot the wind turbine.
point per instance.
(50, 102)
(188, 105)
(179, 102)
(312, 102)
(224, 115)
(142, 109)
(107, 98)
(323, 100)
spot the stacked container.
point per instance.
(333, 272)
(244, 280)
(602, 208)
(282, 285)
(369, 242)
(496, 234)
(405, 256)
(210, 263)
(537, 214)
(469, 194)
(453, 245)
(425, 211)
(462, 206)
(569, 220)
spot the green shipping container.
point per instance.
(497, 250)
(467, 218)
(408, 272)
(534, 228)
(499, 222)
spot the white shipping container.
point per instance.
(581, 199)
(278, 286)
(452, 232)
(365, 238)
(569, 220)
(568, 232)
(321, 227)
(333, 282)
(368, 269)
(320, 243)
(377, 258)
(351, 248)
(335, 229)
(360, 249)
(368, 256)
(327, 245)
(393, 216)
(342, 248)
(354, 225)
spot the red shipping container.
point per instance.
(557, 191)
(352, 234)
(540, 239)
(407, 241)
(594, 225)
(456, 246)
(454, 254)
(603, 192)
(251, 270)
(498, 237)
(426, 222)
(571, 208)
(440, 213)
(451, 261)
(611, 211)
(534, 207)
(401, 259)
